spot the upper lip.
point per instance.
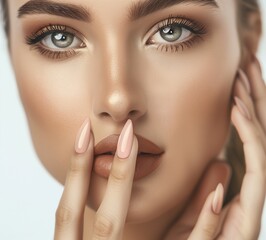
(109, 144)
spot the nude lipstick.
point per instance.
(148, 159)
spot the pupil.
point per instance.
(171, 33)
(60, 36)
(62, 40)
(168, 30)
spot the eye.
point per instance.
(56, 42)
(172, 33)
(61, 40)
(176, 33)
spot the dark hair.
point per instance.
(234, 149)
(5, 15)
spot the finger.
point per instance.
(252, 192)
(254, 72)
(69, 214)
(258, 90)
(217, 172)
(111, 215)
(241, 91)
(208, 222)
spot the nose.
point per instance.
(118, 95)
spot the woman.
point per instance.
(179, 72)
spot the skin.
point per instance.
(117, 77)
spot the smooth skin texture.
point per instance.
(182, 101)
(240, 219)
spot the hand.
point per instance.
(241, 218)
(110, 218)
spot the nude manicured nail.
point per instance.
(83, 137)
(217, 201)
(244, 80)
(242, 108)
(125, 140)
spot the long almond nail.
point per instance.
(242, 108)
(244, 80)
(83, 137)
(125, 140)
(217, 201)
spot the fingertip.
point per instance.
(82, 157)
(217, 201)
(214, 202)
(135, 144)
(125, 141)
(83, 137)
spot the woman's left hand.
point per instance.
(241, 218)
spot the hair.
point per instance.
(234, 147)
(5, 15)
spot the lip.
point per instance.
(148, 159)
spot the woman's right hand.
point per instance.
(111, 215)
(204, 217)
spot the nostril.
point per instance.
(133, 113)
(119, 117)
(105, 114)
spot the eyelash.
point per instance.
(196, 28)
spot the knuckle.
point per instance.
(63, 216)
(118, 175)
(103, 227)
(209, 230)
(75, 169)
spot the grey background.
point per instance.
(28, 194)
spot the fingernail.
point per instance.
(83, 137)
(242, 108)
(244, 80)
(125, 140)
(217, 201)
(257, 63)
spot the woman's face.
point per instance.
(170, 68)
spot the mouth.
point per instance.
(148, 158)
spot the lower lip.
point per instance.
(145, 165)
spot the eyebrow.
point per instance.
(137, 10)
(54, 8)
(141, 9)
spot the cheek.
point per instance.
(55, 103)
(192, 104)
